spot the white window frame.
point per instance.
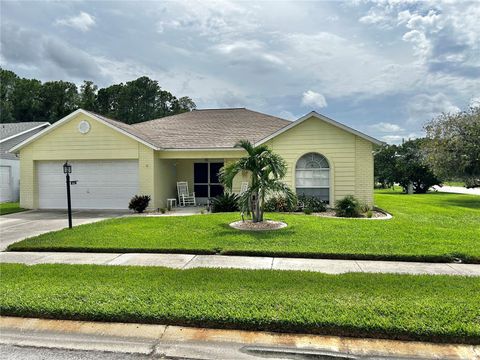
(326, 170)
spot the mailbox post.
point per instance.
(67, 169)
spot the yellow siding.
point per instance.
(340, 149)
(67, 143)
(165, 182)
(184, 169)
(147, 173)
(364, 170)
(28, 185)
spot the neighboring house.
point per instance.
(113, 161)
(12, 134)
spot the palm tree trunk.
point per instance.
(261, 205)
(256, 212)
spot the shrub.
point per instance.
(369, 214)
(278, 204)
(349, 206)
(307, 211)
(163, 210)
(225, 203)
(364, 207)
(311, 202)
(139, 203)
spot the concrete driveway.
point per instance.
(18, 226)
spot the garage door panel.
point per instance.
(5, 183)
(100, 184)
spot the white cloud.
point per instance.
(421, 44)
(386, 127)
(240, 45)
(392, 138)
(83, 22)
(314, 99)
(474, 102)
(376, 18)
(284, 114)
(425, 107)
(397, 139)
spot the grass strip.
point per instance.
(409, 307)
(10, 208)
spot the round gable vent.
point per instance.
(84, 126)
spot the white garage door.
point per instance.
(5, 183)
(102, 184)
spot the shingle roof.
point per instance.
(210, 128)
(10, 129)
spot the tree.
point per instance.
(88, 96)
(185, 104)
(8, 80)
(384, 165)
(108, 100)
(411, 168)
(266, 170)
(453, 146)
(26, 100)
(135, 101)
(58, 99)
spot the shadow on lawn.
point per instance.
(460, 200)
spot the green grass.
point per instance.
(432, 308)
(10, 208)
(431, 227)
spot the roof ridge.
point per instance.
(196, 110)
(214, 109)
(274, 117)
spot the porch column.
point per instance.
(147, 173)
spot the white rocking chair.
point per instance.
(184, 197)
(243, 188)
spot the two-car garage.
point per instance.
(100, 184)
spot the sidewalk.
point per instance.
(161, 341)
(457, 190)
(187, 261)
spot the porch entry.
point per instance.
(206, 180)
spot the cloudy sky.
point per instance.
(382, 67)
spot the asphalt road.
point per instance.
(10, 352)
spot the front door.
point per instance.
(206, 181)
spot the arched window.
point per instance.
(312, 176)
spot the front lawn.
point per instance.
(431, 308)
(430, 227)
(10, 208)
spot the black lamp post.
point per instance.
(67, 169)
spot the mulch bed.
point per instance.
(330, 213)
(259, 226)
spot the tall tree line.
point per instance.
(135, 101)
(449, 151)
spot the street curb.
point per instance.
(161, 335)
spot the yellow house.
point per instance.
(112, 161)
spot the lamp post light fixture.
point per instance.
(67, 169)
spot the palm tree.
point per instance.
(266, 169)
